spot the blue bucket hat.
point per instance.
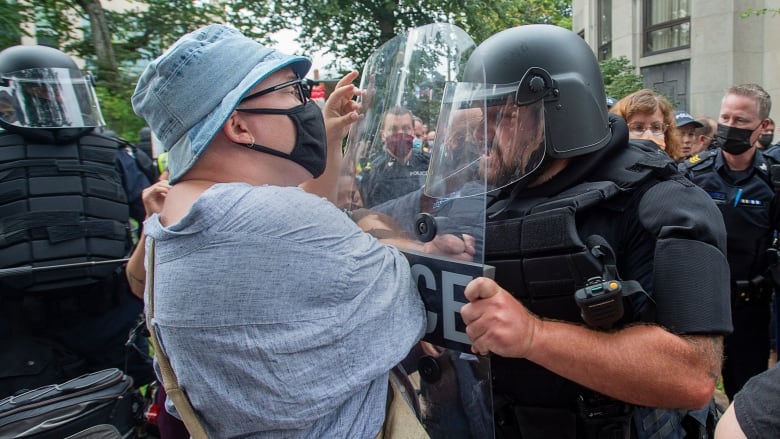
(188, 93)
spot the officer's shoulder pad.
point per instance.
(702, 159)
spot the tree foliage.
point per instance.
(619, 77)
(749, 12)
(10, 19)
(351, 30)
(117, 44)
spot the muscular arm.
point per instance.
(641, 364)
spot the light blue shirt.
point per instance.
(280, 317)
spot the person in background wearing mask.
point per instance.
(430, 137)
(736, 177)
(419, 133)
(650, 117)
(400, 168)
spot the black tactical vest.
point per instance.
(60, 204)
(543, 251)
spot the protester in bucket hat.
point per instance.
(279, 316)
(186, 101)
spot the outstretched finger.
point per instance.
(347, 79)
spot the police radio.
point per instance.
(600, 302)
(601, 299)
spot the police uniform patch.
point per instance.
(717, 196)
(695, 159)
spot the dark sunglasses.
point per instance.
(301, 85)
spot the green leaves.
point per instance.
(350, 30)
(619, 77)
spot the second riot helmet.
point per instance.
(42, 88)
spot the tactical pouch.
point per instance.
(61, 410)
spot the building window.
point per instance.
(667, 25)
(605, 29)
(44, 33)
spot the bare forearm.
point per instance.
(642, 364)
(135, 271)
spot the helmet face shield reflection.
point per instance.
(484, 134)
(48, 98)
(403, 79)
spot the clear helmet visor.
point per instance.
(48, 98)
(485, 134)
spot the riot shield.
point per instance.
(440, 229)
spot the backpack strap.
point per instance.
(170, 382)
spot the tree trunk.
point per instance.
(101, 38)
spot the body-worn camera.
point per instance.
(600, 302)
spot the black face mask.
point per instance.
(765, 139)
(734, 140)
(310, 150)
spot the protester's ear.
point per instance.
(237, 130)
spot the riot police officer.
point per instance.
(737, 178)
(64, 210)
(594, 329)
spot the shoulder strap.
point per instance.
(170, 382)
(701, 160)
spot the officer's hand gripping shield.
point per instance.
(441, 233)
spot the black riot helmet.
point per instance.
(44, 94)
(554, 66)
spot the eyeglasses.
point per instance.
(303, 90)
(657, 129)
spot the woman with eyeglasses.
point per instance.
(650, 116)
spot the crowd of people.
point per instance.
(282, 316)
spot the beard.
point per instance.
(501, 169)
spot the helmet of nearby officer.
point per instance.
(541, 94)
(42, 88)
